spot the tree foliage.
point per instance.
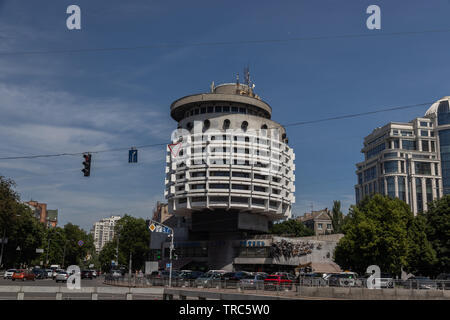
(337, 218)
(292, 228)
(438, 232)
(383, 231)
(133, 237)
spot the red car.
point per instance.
(23, 275)
(278, 281)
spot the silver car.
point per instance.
(62, 276)
(254, 281)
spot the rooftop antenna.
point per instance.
(247, 75)
(212, 87)
(237, 78)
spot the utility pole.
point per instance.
(64, 254)
(3, 244)
(129, 269)
(48, 247)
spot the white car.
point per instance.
(8, 273)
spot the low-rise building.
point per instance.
(45, 216)
(319, 221)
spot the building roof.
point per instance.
(316, 215)
(434, 107)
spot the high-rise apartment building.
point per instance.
(410, 161)
(103, 231)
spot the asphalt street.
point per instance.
(66, 296)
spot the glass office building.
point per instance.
(409, 161)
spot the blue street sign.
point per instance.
(167, 265)
(132, 156)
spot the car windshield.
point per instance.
(11, 270)
(272, 277)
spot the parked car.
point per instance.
(208, 280)
(55, 273)
(39, 273)
(23, 275)
(190, 275)
(344, 279)
(8, 273)
(48, 273)
(116, 273)
(278, 281)
(443, 281)
(94, 273)
(312, 279)
(62, 276)
(421, 283)
(86, 274)
(253, 281)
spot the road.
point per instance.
(72, 296)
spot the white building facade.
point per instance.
(409, 161)
(232, 157)
(103, 231)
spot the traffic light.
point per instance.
(87, 164)
(158, 254)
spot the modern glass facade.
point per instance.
(444, 144)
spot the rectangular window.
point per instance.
(203, 110)
(240, 186)
(210, 109)
(234, 109)
(424, 133)
(423, 124)
(218, 109)
(259, 189)
(409, 144)
(391, 186)
(226, 109)
(319, 226)
(218, 186)
(433, 148)
(390, 166)
(401, 188)
(219, 174)
(425, 145)
(241, 174)
(423, 167)
(429, 190)
(419, 195)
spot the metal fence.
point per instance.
(152, 281)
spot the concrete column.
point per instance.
(20, 295)
(396, 186)
(58, 296)
(129, 296)
(94, 296)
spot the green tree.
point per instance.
(76, 254)
(337, 218)
(134, 238)
(375, 233)
(292, 228)
(106, 255)
(421, 257)
(438, 232)
(17, 224)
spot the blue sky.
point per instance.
(75, 102)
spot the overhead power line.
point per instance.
(224, 43)
(354, 115)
